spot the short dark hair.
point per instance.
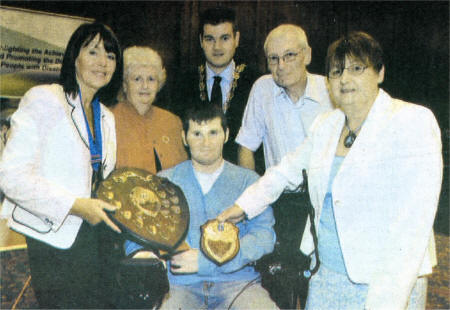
(357, 44)
(202, 112)
(80, 38)
(217, 16)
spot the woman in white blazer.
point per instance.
(375, 169)
(62, 141)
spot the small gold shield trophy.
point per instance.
(220, 241)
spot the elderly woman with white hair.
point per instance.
(148, 137)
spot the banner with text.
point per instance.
(32, 48)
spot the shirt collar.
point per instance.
(311, 91)
(226, 74)
(215, 172)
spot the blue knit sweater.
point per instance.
(257, 236)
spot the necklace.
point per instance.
(351, 137)
(202, 84)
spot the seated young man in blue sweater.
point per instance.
(210, 185)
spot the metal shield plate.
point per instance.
(152, 210)
(220, 242)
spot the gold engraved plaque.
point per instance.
(220, 242)
(151, 209)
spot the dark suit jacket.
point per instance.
(187, 93)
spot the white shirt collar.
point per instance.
(226, 74)
(207, 180)
(310, 90)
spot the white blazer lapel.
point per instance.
(77, 116)
(333, 132)
(365, 143)
(325, 134)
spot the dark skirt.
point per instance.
(67, 279)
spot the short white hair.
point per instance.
(144, 56)
(284, 29)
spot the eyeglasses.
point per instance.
(288, 57)
(354, 70)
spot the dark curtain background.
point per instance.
(415, 37)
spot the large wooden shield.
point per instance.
(220, 242)
(152, 210)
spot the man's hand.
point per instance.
(185, 262)
(92, 210)
(233, 214)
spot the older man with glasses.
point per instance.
(280, 109)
